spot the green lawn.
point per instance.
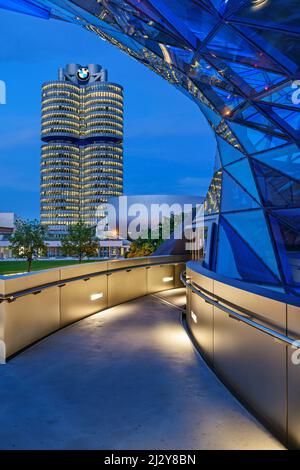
(12, 267)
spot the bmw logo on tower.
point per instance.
(83, 74)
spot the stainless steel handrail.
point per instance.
(257, 326)
(85, 277)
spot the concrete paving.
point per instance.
(126, 378)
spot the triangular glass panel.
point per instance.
(206, 4)
(255, 141)
(230, 100)
(286, 159)
(251, 115)
(242, 172)
(269, 14)
(147, 9)
(176, 57)
(259, 79)
(226, 264)
(199, 21)
(212, 116)
(292, 118)
(204, 73)
(218, 163)
(227, 43)
(224, 131)
(145, 33)
(213, 197)
(135, 49)
(282, 45)
(277, 189)
(288, 95)
(252, 227)
(236, 257)
(150, 17)
(295, 291)
(217, 4)
(290, 217)
(234, 197)
(228, 153)
(286, 231)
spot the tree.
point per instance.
(27, 241)
(144, 246)
(80, 241)
(150, 241)
(140, 247)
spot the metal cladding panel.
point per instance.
(267, 311)
(201, 323)
(293, 365)
(17, 282)
(80, 299)
(200, 316)
(254, 365)
(160, 278)
(126, 285)
(27, 321)
(179, 268)
(82, 269)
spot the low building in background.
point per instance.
(7, 227)
(54, 249)
(110, 248)
(114, 241)
(114, 248)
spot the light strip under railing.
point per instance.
(232, 314)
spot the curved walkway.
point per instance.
(126, 378)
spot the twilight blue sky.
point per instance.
(169, 148)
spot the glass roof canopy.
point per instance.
(239, 61)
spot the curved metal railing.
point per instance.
(237, 316)
(85, 277)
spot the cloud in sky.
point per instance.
(19, 138)
(170, 124)
(199, 183)
(54, 38)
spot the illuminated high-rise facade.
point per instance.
(82, 151)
